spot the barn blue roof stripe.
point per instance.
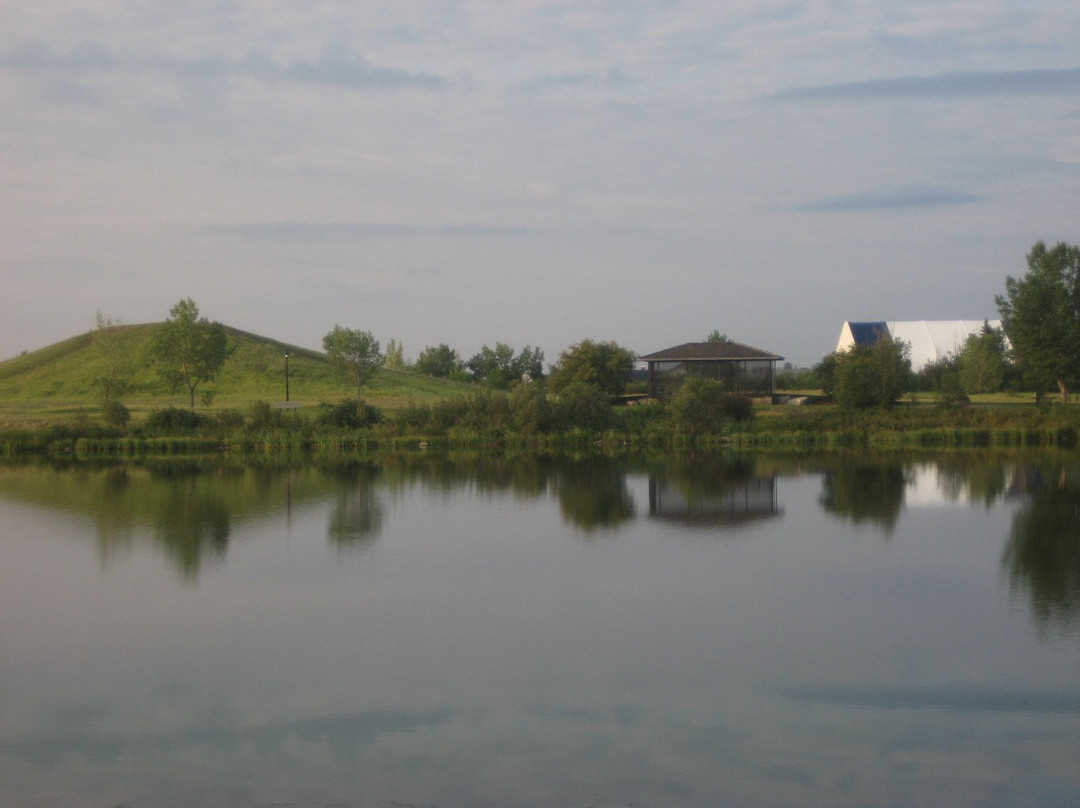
(867, 333)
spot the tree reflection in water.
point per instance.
(593, 494)
(864, 491)
(1042, 554)
(357, 517)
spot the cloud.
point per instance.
(884, 200)
(34, 54)
(942, 85)
(317, 231)
(338, 65)
(952, 699)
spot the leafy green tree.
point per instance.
(868, 376)
(982, 361)
(188, 348)
(530, 409)
(581, 405)
(440, 361)
(500, 366)
(395, 355)
(716, 336)
(701, 406)
(824, 374)
(1041, 314)
(355, 353)
(606, 365)
(113, 348)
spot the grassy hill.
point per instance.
(58, 381)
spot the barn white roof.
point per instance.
(930, 340)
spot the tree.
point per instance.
(871, 375)
(189, 348)
(113, 348)
(395, 355)
(499, 366)
(1041, 315)
(982, 361)
(439, 361)
(355, 353)
(716, 336)
(604, 364)
(701, 406)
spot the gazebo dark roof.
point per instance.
(705, 351)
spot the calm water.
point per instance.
(727, 632)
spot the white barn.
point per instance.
(930, 340)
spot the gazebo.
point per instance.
(741, 368)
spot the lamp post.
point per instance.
(286, 375)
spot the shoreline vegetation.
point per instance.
(495, 421)
(115, 391)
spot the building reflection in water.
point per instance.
(728, 502)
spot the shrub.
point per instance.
(173, 421)
(265, 416)
(351, 413)
(582, 405)
(871, 375)
(230, 419)
(530, 410)
(115, 414)
(950, 392)
(703, 405)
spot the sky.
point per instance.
(527, 172)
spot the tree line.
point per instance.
(1037, 349)
(1040, 312)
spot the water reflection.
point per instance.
(190, 508)
(478, 655)
(357, 515)
(1042, 555)
(866, 492)
(709, 491)
(977, 478)
(592, 493)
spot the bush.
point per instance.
(582, 405)
(230, 419)
(530, 410)
(173, 421)
(264, 416)
(115, 414)
(871, 375)
(950, 392)
(703, 405)
(349, 414)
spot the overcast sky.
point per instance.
(530, 172)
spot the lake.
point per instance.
(458, 631)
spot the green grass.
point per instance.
(56, 383)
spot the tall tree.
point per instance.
(982, 361)
(604, 364)
(113, 348)
(499, 366)
(190, 349)
(355, 353)
(439, 361)
(871, 375)
(1041, 314)
(395, 355)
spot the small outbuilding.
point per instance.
(741, 368)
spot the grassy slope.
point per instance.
(57, 382)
